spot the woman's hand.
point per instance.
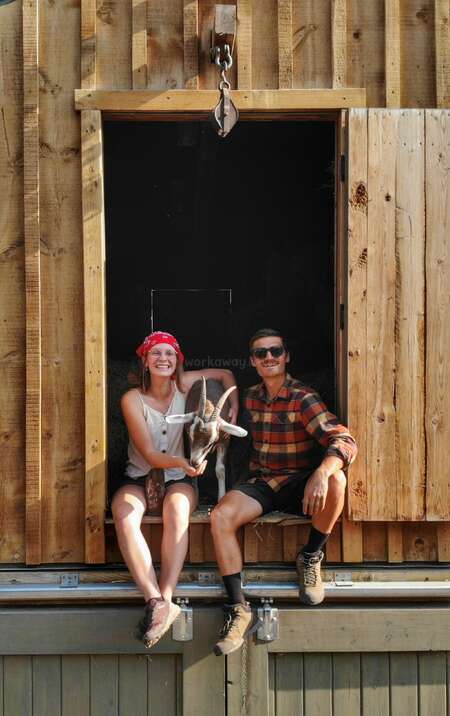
(189, 470)
(233, 414)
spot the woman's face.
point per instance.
(161, 360)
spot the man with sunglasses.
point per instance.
(299, 451)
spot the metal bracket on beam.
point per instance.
(268, 616)
(183, 626)
(69, 580)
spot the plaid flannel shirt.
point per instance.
(291, 432)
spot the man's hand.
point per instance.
(315, 493)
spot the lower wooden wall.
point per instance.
(265, 543)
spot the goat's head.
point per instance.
(204, 431)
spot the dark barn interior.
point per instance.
(211, 239)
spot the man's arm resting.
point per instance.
(317, 486)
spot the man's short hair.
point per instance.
(267, 333)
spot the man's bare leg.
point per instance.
(233, 511)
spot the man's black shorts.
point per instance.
(287, 499)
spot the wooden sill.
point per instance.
(202, 516)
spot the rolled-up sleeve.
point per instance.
(325, 427)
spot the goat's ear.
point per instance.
(232, 429)
(187, 418)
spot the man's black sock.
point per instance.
(316, 541)
(233, 585)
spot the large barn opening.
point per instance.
(212, 239)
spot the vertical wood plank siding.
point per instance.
(62, 288)
(12, 289)
(437, 415)
(400, 52)
(388, 481)
(190, 38)
(139, 44)
(94, 296)
(32, 280)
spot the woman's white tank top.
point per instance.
(166, 438)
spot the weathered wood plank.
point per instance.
(75, 685)
(196, 551)
(251, 542)
(339, 42)
(204, 101)
(17, 686)
(203, 672)
(139, 55)
(366, 49)
(357, 309)
(255, 665)
(311, 24)
(265, 44)
(191, 44)
(12, 289)
(94, 326)
(375, 684)
(133, 685)
(395, 542)
(352, 541)
(208, 71)
(442, 52)
(374, 542)
(114, 44)
(104, 695)
(46, 685)
(346, 684)
(432, 683)
(32, 282)
(288, 684)
(381, 313)
(368, 629)
(403, 683)
(437, 267)
(417, 53)
(285, 57)
(410, 316)
(318, 684)
(165, 44)
(419, 542)
(392, 53)
(290, 543)
(164, 687)
(333, 551)
(88, 43)
(244, 44)
(62, 288)
(443, 542)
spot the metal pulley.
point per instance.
(225, 113)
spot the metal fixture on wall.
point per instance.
(225, 114)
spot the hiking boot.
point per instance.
(310, 582)
(237, 626)
(159, 615)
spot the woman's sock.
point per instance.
(233, 586)
(316, 541)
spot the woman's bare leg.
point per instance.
(179, 502)
(128, 508)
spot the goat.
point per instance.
(204, 403)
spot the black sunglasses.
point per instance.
(261, 353)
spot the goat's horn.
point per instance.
(202, 400)
(218, 409)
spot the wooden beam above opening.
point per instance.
(205, 100)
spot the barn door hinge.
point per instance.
(268, 617)
(183, 626)
(69, 580)
(343, 168)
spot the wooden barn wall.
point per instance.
(398, 50)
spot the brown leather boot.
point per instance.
(312, 591)
(237, 626)
(158, 617)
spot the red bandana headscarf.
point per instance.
(155, 339)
